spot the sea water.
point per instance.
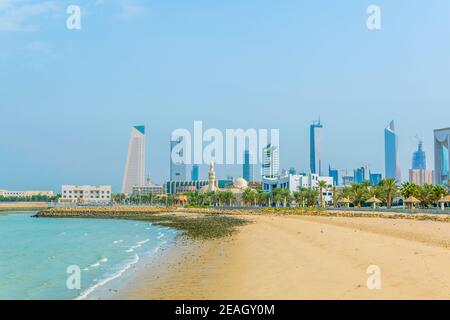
(36, 254)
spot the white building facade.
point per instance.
(25, 194)
(86, 194)
(294, 182)
(271, 162)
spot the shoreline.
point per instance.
(294, 257)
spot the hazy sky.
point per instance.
(68, 98)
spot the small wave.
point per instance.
(144, 241)
(118, 241)
(102, 259)
(88, 291)
(160, 235)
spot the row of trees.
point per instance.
(35, 198)
(387, 190)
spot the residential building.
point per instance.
(421, 176)
(25, 194)
(271, 162)
(315, 146)
(391, 154)
(135, 164)
(297, 181)
(85, 194)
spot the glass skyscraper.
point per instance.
(135, 165)
(247, 168)
(391, 155)
(419, 160)
(315, 145)
(442, 155)
(194, 173)
(334, 173)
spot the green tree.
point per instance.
(390, 189)
(322, 186)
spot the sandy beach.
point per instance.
(299, 257)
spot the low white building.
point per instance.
(86, 194)
(294, 182)
(25, 194)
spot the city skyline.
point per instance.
(69, 96)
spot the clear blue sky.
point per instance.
(69, 98)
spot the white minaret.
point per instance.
(212, 178)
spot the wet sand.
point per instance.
(298, 257)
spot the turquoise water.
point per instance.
(35, 254)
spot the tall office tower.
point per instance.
(419, 160)
(135, 166)
(271, 162)
(359, 175)
(194, 172)
(315, 146)
(442, 155)
(177, 168)
(334, 173)
(391, 155)
(247, 167)
(375, 178)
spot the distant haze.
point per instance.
(68, 99)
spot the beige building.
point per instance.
(25, 194)
(86, 194)
(421, 176)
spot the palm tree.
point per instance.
(300, 197)
(335, 195)
(286, 196)
(248, 196)
(390, 188)
(322, 185)
(311, 196)
(119, 197)
(358, 193)
(409, 189)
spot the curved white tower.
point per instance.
(135, 165)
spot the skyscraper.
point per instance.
(135, 165)
(247, 167)
(271, 162)
(334, 173)
(442, 155)
(360, 175)
(194, 172)
(391, 155)
(177, 168)
(315, 145)
(419, 160)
